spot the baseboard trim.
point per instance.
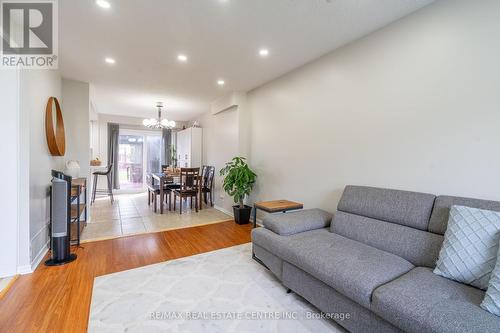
(225, 211)
(25, 269)
(39, 257)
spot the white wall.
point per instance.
(36, 88)
(220, 145)
(76, 109)
(26, 167)
(9, 168)
(413, 106)
(28, 163)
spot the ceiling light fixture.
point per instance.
(110, 60)
(103, 4)
(158, 123)
(263, 52)
(221, 82)
(182, 57)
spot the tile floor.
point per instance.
(130, 214)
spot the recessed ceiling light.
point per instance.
(221, 82)
(103, 4)
(263, 52)
(182, 57)
(110, 60)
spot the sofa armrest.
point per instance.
(296, 222)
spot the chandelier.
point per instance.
(158, 123)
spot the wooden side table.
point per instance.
(78, 187)
(274, 207)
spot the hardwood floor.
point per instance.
(57, 299)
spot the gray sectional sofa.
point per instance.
(373, 259)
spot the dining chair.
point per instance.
(208, 185)
(203, 175)
(189, 187)
(154, 192)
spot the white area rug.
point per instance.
(220, 291)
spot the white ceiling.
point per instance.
(220, 37)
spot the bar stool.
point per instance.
(108, 174)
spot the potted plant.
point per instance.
(238, 183)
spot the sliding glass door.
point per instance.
(153, 153)
(130, 161)
(139, 154)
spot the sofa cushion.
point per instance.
(421, 301)
(295, 222)
(491, 301)
(272, 262)
(419, 247)
(354, 269)
(470, 246)
(440, 214)
(412, 209)
(328, 300)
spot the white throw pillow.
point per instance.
(469, 251)
(491, 302)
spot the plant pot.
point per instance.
(242, 215)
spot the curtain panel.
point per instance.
(166, 148)
(113, 132)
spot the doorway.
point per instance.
(139, 153)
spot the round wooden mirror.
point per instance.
(54, 128)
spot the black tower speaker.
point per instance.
(60, 212)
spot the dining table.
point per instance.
(172, 179)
